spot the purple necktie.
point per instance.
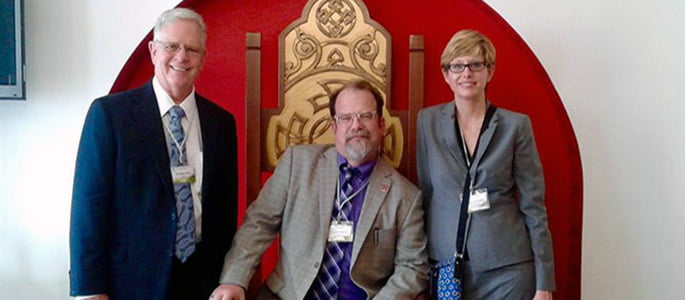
(325, 286)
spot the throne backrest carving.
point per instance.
(335, 41)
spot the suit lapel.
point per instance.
(208, 141)
(376, 193)
(327, 183)
(146, 118)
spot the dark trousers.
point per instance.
(189, 280)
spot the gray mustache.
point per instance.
(352, 135)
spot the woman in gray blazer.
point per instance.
(467, 147)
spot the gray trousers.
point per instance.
(511, 282)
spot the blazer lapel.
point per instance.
(449, 133)
(376, 193)
(146, 117)
(485, 139)
(327, 183)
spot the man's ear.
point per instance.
(153, 50)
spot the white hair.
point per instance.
(176, 14)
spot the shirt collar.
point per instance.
(364, 169)
(165, 103)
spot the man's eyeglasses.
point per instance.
(362, 117)
(173, 48)
(474, 67)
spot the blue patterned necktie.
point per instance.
(185, 220)
(325, 286)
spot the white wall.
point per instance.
(74, 49)
(616, 67)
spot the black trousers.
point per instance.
(190, 280)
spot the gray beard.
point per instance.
(358, 150)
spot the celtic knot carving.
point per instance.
(335, 18)
(331, 44)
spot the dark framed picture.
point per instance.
(12, 64)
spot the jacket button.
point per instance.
(316, 264)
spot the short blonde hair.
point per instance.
(468, 42)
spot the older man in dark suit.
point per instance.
(154, 199)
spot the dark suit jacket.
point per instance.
(389, 250)
(514, 229)
(123, 211)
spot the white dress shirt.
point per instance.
(193, 144)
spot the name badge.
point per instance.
(341, 231)
(183, 174)
(479, 200)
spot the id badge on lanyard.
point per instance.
(341, 231)
(183, 174)
(478, 198)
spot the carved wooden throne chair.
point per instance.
(334, 41)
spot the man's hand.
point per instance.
(229, 292)
(542, 295)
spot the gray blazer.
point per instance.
(389, 259)
(506, 163)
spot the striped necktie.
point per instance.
(325, 286)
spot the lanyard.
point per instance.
(471, 160)
(466, 150)
(345, 198)
(467, 157)
(464, 217)
(179, 145)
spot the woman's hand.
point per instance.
(542, 295)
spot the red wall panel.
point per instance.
(520, 84)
